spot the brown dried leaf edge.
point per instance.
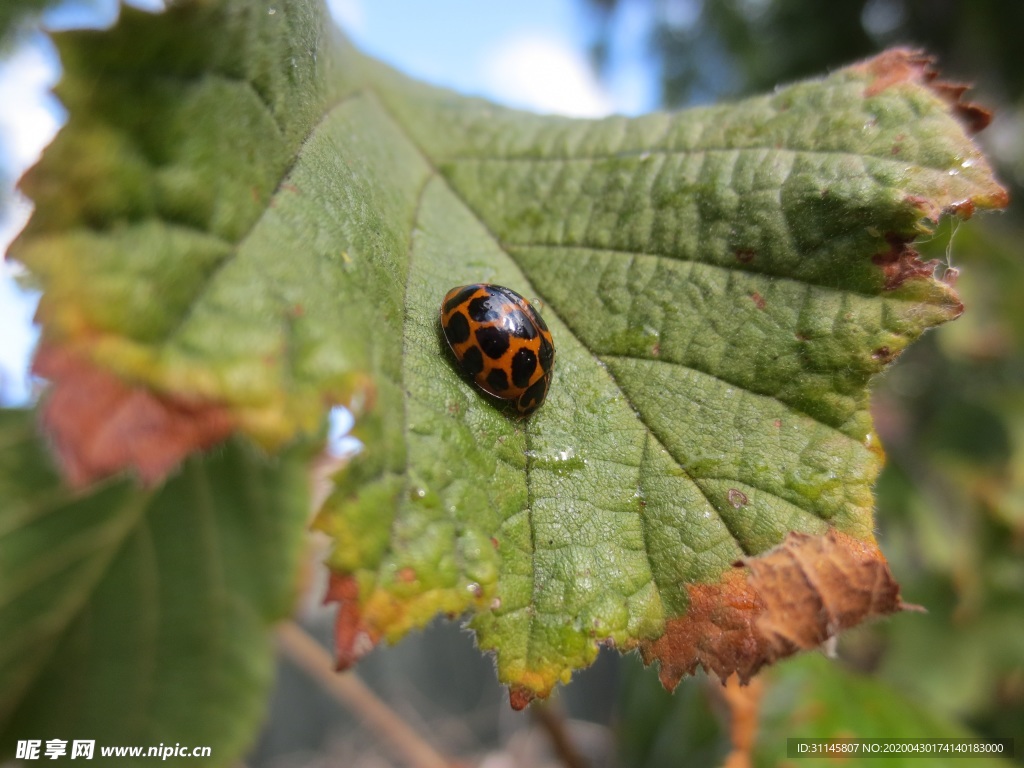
(900, 65)
(789, 599)
(99, 425)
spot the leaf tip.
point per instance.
(353, 638)
(901, 65)
(520, 697)
(912, 608)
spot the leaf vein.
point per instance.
(689, 367)
(685, 470)
(235, 249)
(698, 262)
(77, 599)
(694, 151)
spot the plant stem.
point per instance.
(307, 654)
(554, 724)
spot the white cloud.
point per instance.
(29, 118)
(29, 115)
(153, 6)
(17, 339)
(349, 15)
(545, 75)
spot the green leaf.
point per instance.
(815, 698)
(266, 221)
(135, 617)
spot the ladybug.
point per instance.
(500, 341)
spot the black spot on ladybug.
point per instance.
(547, 355)
(522, 327)
(533, 396)
(457, 329)
(524, 363)
(472, 361)
(493, 340)
(459, 298)
(483, 309)
(498, 380)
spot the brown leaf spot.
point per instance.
(745, 255)
(777, 423)
(927, 208)
(353, 639)
(901, 263)
(758, 300)
(737, 498)
(791, 598)
(100, 425)
(883, 355)
(407, 574)
(962, 208)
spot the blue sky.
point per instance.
(529, 54)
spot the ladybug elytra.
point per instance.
(500, 341)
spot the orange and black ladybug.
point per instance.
(500, 341)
